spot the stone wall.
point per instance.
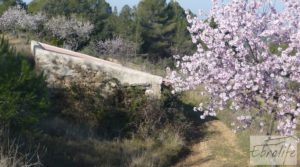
(63, 67)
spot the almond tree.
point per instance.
(72, 31)
(32, 22)
(10, 19)
(17, 18)
(115, 47)
(247, 58)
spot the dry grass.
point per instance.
(11, 154)
(145, 65)
(134, 152)
(215, 146)
(194, 97)
(220, 147)
(20, 42)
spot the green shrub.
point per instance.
(122, 111)
(23, 93)
(106, 108)
(113, 125)
(56, 42)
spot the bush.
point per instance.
(106, 108)
(117, 111)
(23, 93)
(113, 125)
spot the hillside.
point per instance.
(204, 150)
(85, 84)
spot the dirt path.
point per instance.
(218, 149)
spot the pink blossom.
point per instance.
(234, 62)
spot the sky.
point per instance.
(193, 5)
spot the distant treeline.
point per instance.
(157, 28)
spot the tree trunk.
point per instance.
(271, 130)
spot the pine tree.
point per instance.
(5, 4)
(23, 94)
(180, 38)
(36, 6)
(163, 28)
(127, 23)
(153, 19)
(138, 40)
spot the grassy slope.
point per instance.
(204, 150)
(66, 147)
(219, 147)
